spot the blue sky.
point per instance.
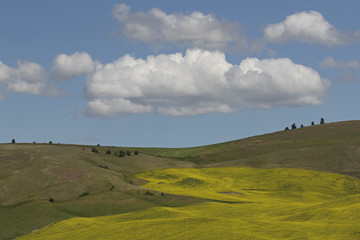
(174, 73)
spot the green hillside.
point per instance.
(31, 174)
(332, 147)
(87, 184)
(244, 203)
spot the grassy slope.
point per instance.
(332, 147)
(269, 204)
(31, 173)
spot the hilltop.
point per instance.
(84, 183)
(331, 147)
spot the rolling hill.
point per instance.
(82, 183)
(332, 147)
(243, 203)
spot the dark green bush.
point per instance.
(122, 153)
(84, 194)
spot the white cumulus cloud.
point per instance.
(194, 30)
(28, 77)
(199, 82)
(67, 67)
(309, 27)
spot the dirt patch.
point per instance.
(15, 157)
(138, 181)
(231, 193)
(69, 174)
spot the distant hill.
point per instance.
(84, 183)
(331, 147)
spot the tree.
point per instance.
(293, 126)
(13, 141)
(312, 123)
(122, 153)
(50, 142)
(302, 126)
(286, 129)
(322, 121)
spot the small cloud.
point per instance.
(92, 140)
(2, 97)
(309, 27)
(193, 30)
(28, 77)
(332, 63)
(349, 70)
(67, 67)
(272, 53)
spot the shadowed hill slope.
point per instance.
(63, 172)
(80, 183)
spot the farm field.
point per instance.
(241, 203)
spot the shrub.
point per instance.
(312, 123)
(94, 150)
(51, 200)
(13, 141)
(286, 129)
(122, 153)
(293, 126)
(322, 121)
(128, 153)
(108, 152)
(136, 152)
(148, 193)
(50, 142)
(84, 194)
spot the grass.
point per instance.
(268, 204)
(331, 147)
(30, 174)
